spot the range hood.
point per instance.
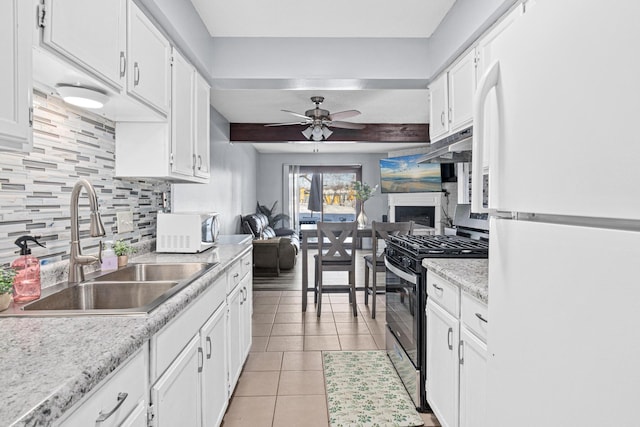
(455, 148)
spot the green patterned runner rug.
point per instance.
(363, 389)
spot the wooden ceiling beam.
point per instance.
(386, 132)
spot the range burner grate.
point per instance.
(441, 245)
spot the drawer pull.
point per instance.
(123, 62)
(103, 417)
(439, 288)
(235, 276)
(208, 348)
(479, 316)
(450, 338)
(136, 74)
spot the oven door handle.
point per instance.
(411, 278)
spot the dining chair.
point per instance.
(375, 260)
(336, 252)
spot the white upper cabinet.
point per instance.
(16, 75)
(485, 45)
(148, 62)
(177, 151)
(462, 85)
(439, 107)
(182, 116)
(89, 33)
(202, 127)
(109, 46)
(451, 97)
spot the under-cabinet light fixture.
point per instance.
(82, 96)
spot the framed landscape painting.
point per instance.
(404, 175)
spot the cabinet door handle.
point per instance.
(450, 338)
(200, 359)
(235, 276)
(461, 352)
(136, 74)
(208, 348)
(103, 416)
(449, 114)
(438, 288)
(123, 64)
(479, 316)
(246, 293)
(199, 162)
(442, 117)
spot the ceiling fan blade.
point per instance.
(302, 116)
(287, 124)
(346, 125)
(340, 115)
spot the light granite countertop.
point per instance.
(51, 363)
(472, 275)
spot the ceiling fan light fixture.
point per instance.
(308, 132)
(82, 96)
(326, 132)
(317, 134)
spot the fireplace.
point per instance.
(421, 205)
(423, 215)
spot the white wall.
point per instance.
(346, 58)
(325, 58)
(270, 176)
(232, 188)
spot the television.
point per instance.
(404, 175)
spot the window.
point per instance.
(325, 194)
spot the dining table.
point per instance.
(308, 231)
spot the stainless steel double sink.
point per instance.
(136, 289)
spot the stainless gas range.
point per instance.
(406, 298)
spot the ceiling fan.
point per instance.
(319, 121)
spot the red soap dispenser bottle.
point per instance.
(26, 285)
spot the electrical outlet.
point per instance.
(125, 221)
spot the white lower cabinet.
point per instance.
(185, 375)
(442, 364)
(235, 301)
(473, 380)
(456, 355)
(176, 395)
(137, 418)
(240, 310)
(115, 402)
(195, 381)
(215, 386)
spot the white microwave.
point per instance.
(186, 232)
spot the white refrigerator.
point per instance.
(556, 163)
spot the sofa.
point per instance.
(273, 250)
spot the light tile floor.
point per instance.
(282, 383)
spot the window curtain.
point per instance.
(290, 194)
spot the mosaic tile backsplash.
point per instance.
(35, 188)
